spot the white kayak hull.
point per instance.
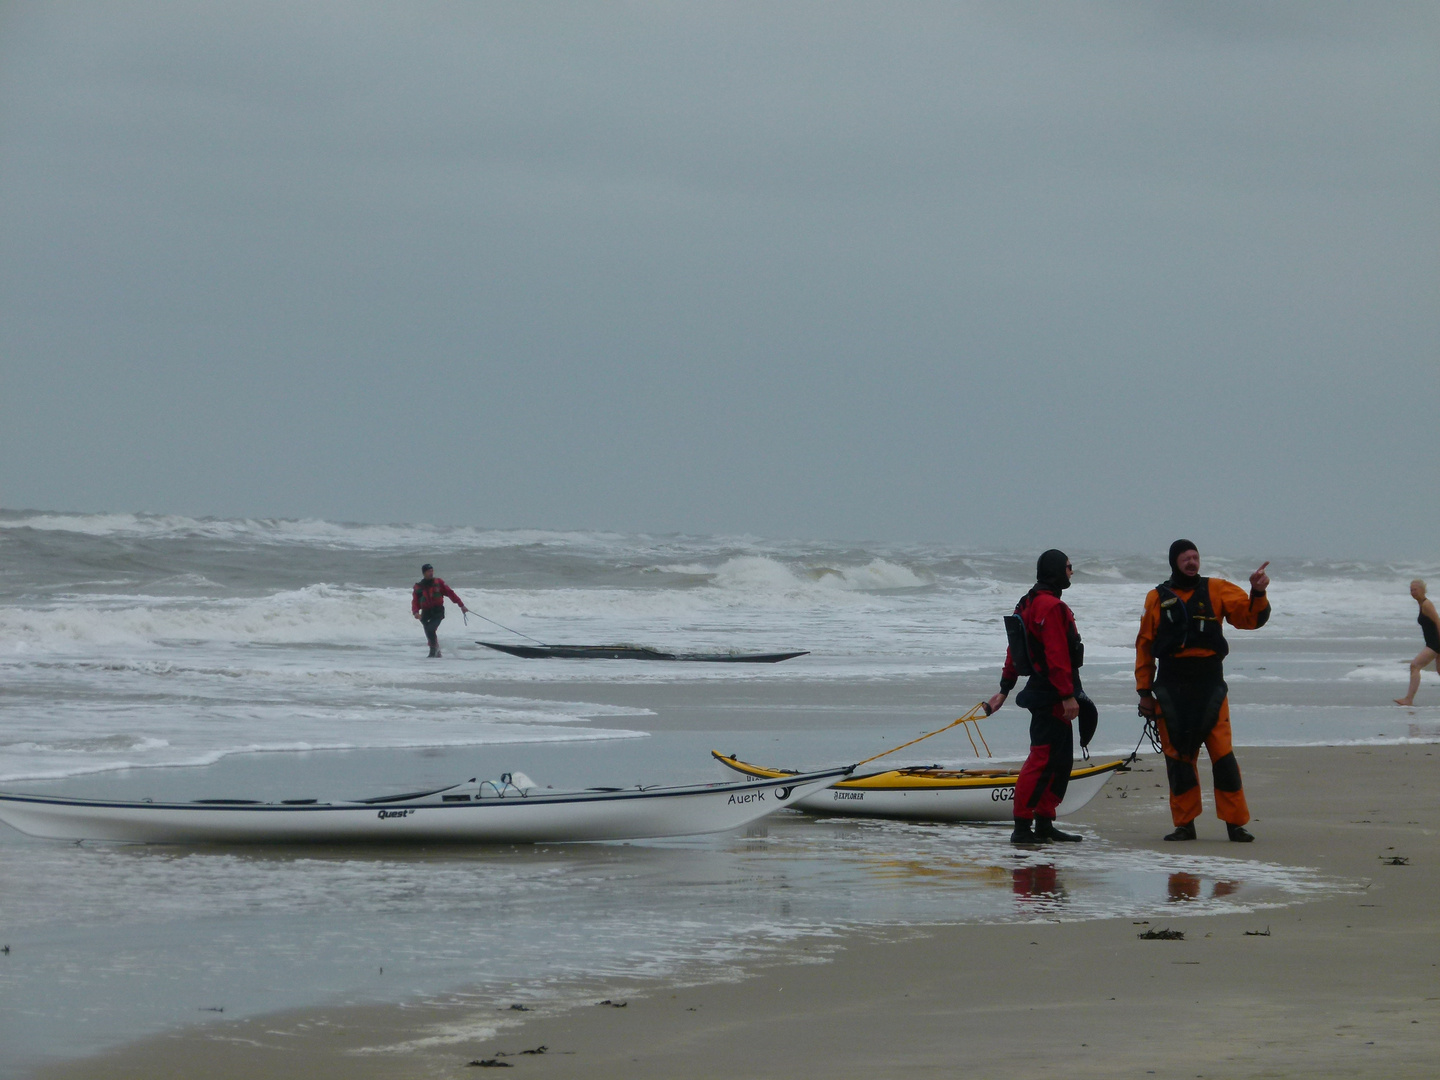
(932, 794)
(433, 817)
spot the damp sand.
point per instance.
(1344, 985)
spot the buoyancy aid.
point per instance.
(1027, 653)
(1018, 639)
(430, 594)
(1189, 624)
(1190, 689)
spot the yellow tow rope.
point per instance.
(971, 717)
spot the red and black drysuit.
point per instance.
(1182, 635)
(1055, 654)
(427, 600)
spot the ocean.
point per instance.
(158, 656)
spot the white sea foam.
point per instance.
(225, 646)
(761, 576)
(125, 716)
(308, 532)
(316, 614)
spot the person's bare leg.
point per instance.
(1416, 666)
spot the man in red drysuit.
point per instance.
(427, 603)
(1044, 645)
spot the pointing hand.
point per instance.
(1259, 580)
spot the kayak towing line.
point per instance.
(464, 612)
(971, 717)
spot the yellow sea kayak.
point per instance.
(929, 792)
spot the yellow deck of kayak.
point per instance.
(920, 777)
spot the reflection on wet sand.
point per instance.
(1184, 887)
(957, 870)
(1037, 882)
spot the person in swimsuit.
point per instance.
(1430, 627)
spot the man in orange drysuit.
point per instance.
(1182, 631)
(1045, 646)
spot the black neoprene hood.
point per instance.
(1178, 548)
(1050, 570)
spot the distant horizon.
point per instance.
(1095, 550)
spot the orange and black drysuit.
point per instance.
(1047, 647)
(1182, 632)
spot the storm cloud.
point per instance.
(1090, 275)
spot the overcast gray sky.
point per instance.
(996, 274)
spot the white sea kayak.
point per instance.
(472, 813)
(929, 792)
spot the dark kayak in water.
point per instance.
(636, 652)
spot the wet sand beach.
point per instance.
(1345, 985)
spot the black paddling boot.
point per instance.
(1182, 832)
(1238, 833)
(1046, 833)
(1022, 833)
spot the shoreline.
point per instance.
(1345, 985)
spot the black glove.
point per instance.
(1089, 719)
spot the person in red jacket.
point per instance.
(1044, 645)
(1182, 635)
(427, 603)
